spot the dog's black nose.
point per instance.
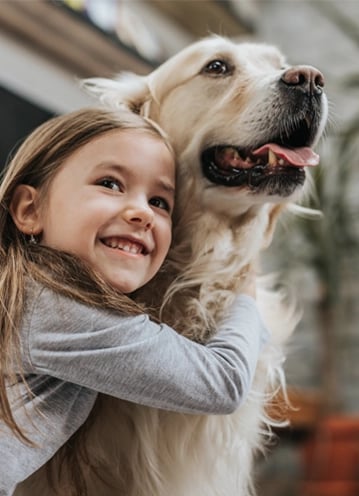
(304, 78)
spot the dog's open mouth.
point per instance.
(272, 168)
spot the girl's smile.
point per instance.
(130, 246)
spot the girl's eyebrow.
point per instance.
(109, 164)
(166, 185)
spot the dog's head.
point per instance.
(242, 121)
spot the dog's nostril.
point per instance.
(319, 80)
(305, 78)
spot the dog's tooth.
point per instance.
(272, 158)
(230, 155)
(231, 151)
(281, 161)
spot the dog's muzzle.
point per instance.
(277, 170)
(275, 164)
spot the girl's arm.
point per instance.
(135, 359)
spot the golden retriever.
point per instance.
(243, 124)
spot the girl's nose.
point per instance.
(141, 215)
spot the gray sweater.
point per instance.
(71, 352)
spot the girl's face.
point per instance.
(110, 203)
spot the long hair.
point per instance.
(36, 162)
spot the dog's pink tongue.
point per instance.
(297, 157)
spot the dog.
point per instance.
(243, 124)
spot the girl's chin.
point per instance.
(126, 287)
(127, 281)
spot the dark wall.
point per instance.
(18, 118)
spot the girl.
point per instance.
(85, 220)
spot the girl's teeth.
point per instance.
(130, 248)
(127, 247)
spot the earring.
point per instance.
(32, 240)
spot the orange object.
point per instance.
(331, 458)
(332, 488)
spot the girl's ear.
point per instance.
(24, 209)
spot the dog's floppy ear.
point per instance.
(126, 90)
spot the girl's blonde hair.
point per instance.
(36, 162)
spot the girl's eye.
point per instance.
(160, 203)
(110, 183)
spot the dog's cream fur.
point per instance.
(219, 232)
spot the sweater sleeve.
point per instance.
(135, 359)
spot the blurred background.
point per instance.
(47, 46)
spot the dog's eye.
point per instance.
(216, 68)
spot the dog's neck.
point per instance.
(200, 235)
(205, 268)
